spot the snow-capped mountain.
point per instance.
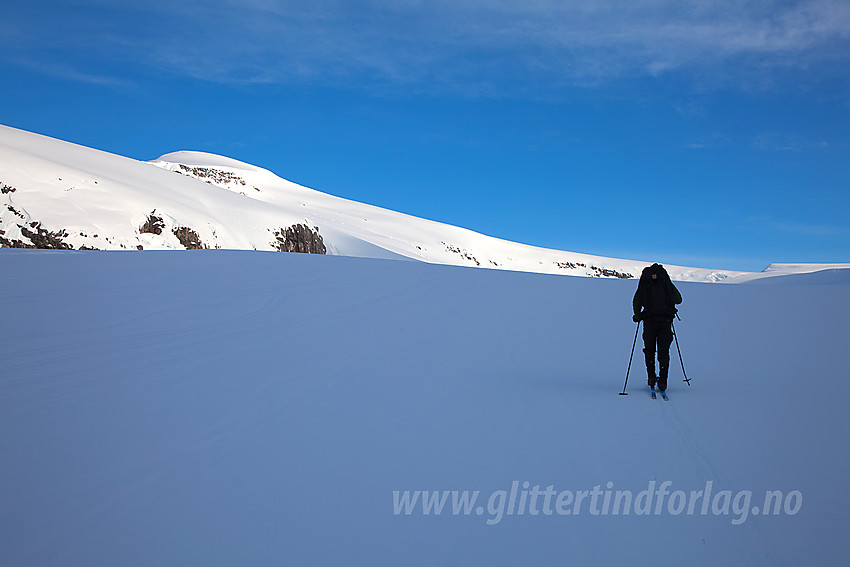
(57, 194)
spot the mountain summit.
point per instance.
(61, 195)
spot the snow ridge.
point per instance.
(57, 194)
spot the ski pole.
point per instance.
(624, 393)
(688, 380)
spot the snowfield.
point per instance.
(223, 407)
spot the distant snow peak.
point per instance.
(205, 159)
(55, 194)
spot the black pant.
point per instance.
(657, 333)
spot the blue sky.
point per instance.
(714, 134)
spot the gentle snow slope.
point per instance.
(240, 408)
(88, 198)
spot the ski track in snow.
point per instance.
(685, 439)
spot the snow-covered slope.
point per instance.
(61, 195)
(242, 408)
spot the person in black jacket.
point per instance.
(655, 303)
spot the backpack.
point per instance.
(656, 294)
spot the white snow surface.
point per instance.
(101, 200)
(249, 408)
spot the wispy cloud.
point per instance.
(464, 44)
(768, 224)
(768, 141)
(713, 140)
(65, 71)
(774, 141)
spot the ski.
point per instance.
(652, 390)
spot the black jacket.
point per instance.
(656, 296)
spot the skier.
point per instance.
(657, 297)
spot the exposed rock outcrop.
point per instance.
(462, 253)
(608, 273)
(189, 238)
(153, 225)
(299, 238)
(39, 237)
(211, 175)
(595, 271)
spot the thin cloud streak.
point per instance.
(472, 45)
(485, 41)
(768, 224)
(68, 72)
